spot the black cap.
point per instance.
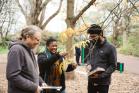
(94, 29)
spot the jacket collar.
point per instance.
(101, 43)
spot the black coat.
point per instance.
(103, 55)
(49, 70)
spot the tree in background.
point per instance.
(34, 11)
(7, 21)
(124, 14)
(71, 21)
(120, 16)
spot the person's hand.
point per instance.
(74, 65)
(39, 89)
(88, 68)
(63, 54)
(94, 76)
(44, 84)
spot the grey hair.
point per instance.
(29, 31)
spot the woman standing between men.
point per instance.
(50, 62)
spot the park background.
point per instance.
(68, 20)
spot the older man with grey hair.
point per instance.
(22, 69)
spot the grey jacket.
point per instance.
(22, 70)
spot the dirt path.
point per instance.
(131, 63)
(121, 82)
(3, 81)
(126, 82)
(3, 58)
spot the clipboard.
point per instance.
(52, 87)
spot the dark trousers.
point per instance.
(77, 59)
(93, 88)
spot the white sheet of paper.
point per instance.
(51, 87)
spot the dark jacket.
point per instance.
(49, 70)
(22, 70)
(103, 55)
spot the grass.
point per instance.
(3, 50)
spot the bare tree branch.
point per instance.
(0, 32)
(3, 21)
(42, 16)
(43, 9)
(1, 5)
(35, 14)
(111, 13)
(83, 10)
(6, 19)
(133, 4)
(45, 4)
(11, 20)
(119, 15)
(32, 4)
(52, 16)
(22, 10)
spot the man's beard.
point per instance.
(96, 42)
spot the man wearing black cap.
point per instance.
(101, 56)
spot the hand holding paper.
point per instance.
(94, 73)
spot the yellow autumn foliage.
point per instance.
(83, 28)
(63, 37)
(69, 32)
(81, 44)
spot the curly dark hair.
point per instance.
(50, 40)
(94, 29)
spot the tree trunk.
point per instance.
(124, 38)
(114, 35)
(37, 12)
(71, 20)
(115, 32)
(70, 24)
(125, 24)
(126, 30)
